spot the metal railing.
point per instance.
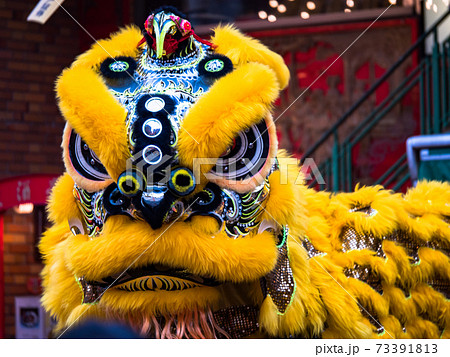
(431, 77)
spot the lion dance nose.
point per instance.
(182, 181)
(149, 199)
(132, 182)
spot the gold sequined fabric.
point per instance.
(441, 286)
(310, 249)
(358, 240)
(369, 211)
(353, 240)
(238, 321)
(412, 245)
(280, 283)
(373, 318)
(366, 274)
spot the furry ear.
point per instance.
(121, 43)
(91, 110)
(242, 49)
(95, 115)
(235, 102)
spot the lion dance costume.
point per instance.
(179, 216)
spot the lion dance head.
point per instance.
(177, 214)
(167, 217)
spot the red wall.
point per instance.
(32, 56)
(331, 67)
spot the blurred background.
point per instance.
(361, 85)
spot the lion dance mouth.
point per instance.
(179, 216)
(150, 278)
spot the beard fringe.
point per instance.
(198, 324)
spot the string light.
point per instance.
(304, 15)
(311, 5)
(281, 8)
(435, 8)
(428, 4)
(24, 208)
(262, 15)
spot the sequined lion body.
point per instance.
(211, 252)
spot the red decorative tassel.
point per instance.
(199, 39)
(141, 41)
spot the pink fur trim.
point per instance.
(89, 185)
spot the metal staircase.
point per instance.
(430, 81)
